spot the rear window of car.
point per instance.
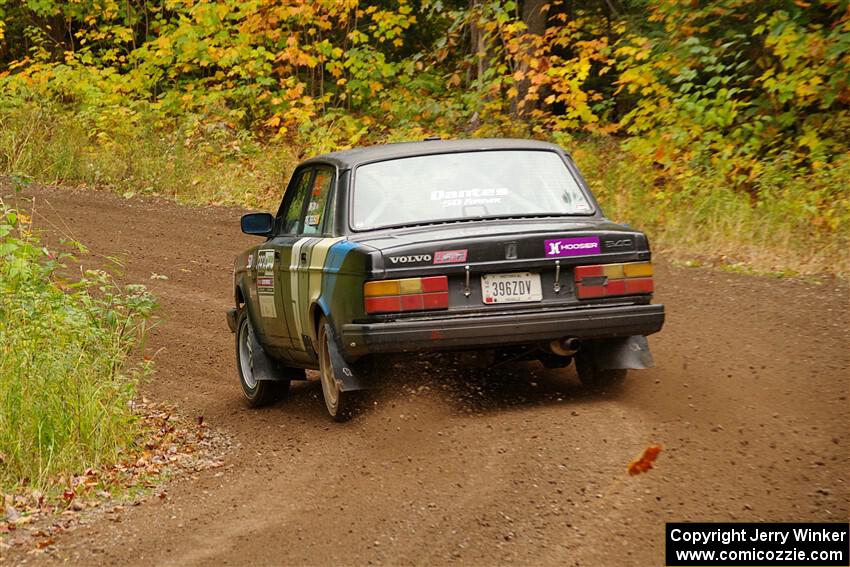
(465, 185)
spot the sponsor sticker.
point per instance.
(265, 283)
(470, 197)
(265, 260)
(575, 246)
(449, 256)
(267, 307)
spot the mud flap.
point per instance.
(614, 354)
(344, 372)
(268, 369)
(262, 363)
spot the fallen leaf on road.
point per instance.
(643, 463)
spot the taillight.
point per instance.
(410, 294)
(605, 280)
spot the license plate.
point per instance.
(517, 287)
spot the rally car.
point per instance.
(468, 245)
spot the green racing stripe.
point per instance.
(306, 280)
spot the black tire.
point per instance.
(594, 377)
(340, 404)
(258, 393)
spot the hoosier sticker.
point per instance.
(576, 246)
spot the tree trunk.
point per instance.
(481, 56)
(478, 43)
(534, 16)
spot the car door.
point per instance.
(273, 292)
(301, 266)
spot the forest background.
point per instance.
(722, 128)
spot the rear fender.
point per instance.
(621, 353)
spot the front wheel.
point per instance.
(258, 393)
(594, 377)
(340, 403)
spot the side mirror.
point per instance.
(257, 224)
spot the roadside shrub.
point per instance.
(66, 378)
(792, 223)
(193, 158)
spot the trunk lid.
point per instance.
(500, 246)
(464, 252)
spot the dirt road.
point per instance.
(488, 467)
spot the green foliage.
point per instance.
(65, 382)
(733, 101)
(736, 85)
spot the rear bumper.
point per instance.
(487, 331)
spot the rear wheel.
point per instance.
(594, 377)
(340, 404)
(258, 393)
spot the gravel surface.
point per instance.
(453, 465)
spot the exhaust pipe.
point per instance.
(566, 346)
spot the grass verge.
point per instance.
(168, 447)
(66, 382)
(187, 160)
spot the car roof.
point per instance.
(347, 159)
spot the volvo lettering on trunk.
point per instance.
(410, 259)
